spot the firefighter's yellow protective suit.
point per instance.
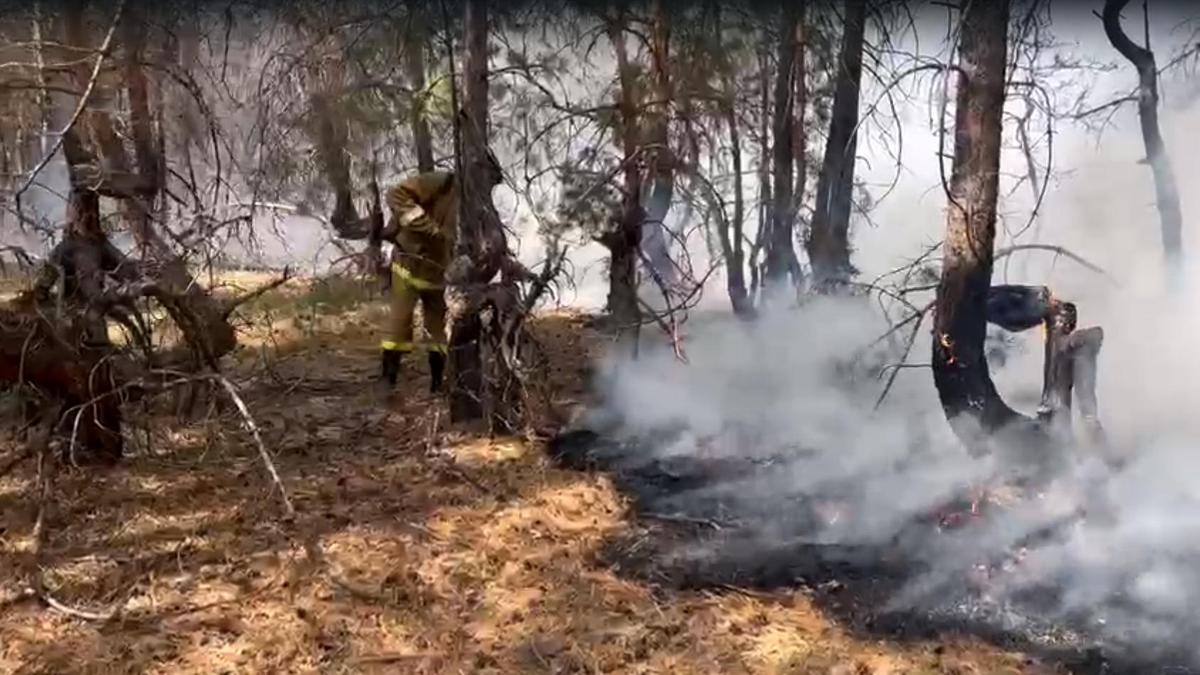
(424, 214)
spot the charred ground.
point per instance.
(696, 536)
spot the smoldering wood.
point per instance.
(1070, 358)
(1058, 370)
(1085, 347)
(1018, 308)
(969, 399)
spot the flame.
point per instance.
(948, 345)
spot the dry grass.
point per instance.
(416, 549)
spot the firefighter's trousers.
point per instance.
(406, 291)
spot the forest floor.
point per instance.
(416, 548)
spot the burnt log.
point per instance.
(1018, 308)
(1058, 371)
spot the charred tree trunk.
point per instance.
(960, 369)
(829, 236)
(1085, 347)
(1058, 372)
(1165, 189)
(624, 241)
(780, 250)
(466, 325)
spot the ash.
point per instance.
(988, 563)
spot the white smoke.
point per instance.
(775, 391)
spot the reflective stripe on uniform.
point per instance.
(393, 346)
(402, 273)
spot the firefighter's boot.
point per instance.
(437, 370)
(390, 369)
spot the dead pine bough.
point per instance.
(75, 387)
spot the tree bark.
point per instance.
(654, 242)
(799, 133)
(780, 250)
(202, 319)
(625, 241)
(960, 370)
(1058, 371)
(729, 232)
(764, 173)
(466, 326)
(829, 237)
(331, 137)
(414, 62)
(1165, 188)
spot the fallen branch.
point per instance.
(262, 449)
(242, 299)
(40, 445)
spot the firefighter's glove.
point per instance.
(417, 220)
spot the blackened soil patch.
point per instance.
(698, 533)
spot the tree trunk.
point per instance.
(414, 62)
(730, 232)
(331, 136)
(625, 242)
(202, 319)
(960, 370)
(1058, 371)
(799, 133)
(466, 326)
(654, 242)
(780, 251)
(764, 172)
(1165, 190)
(829, 236)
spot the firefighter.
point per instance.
(422, 229)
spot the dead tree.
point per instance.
(59, 341)
(1165, 189)
(966, 301)
(828, 241)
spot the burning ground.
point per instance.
(763, 465)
